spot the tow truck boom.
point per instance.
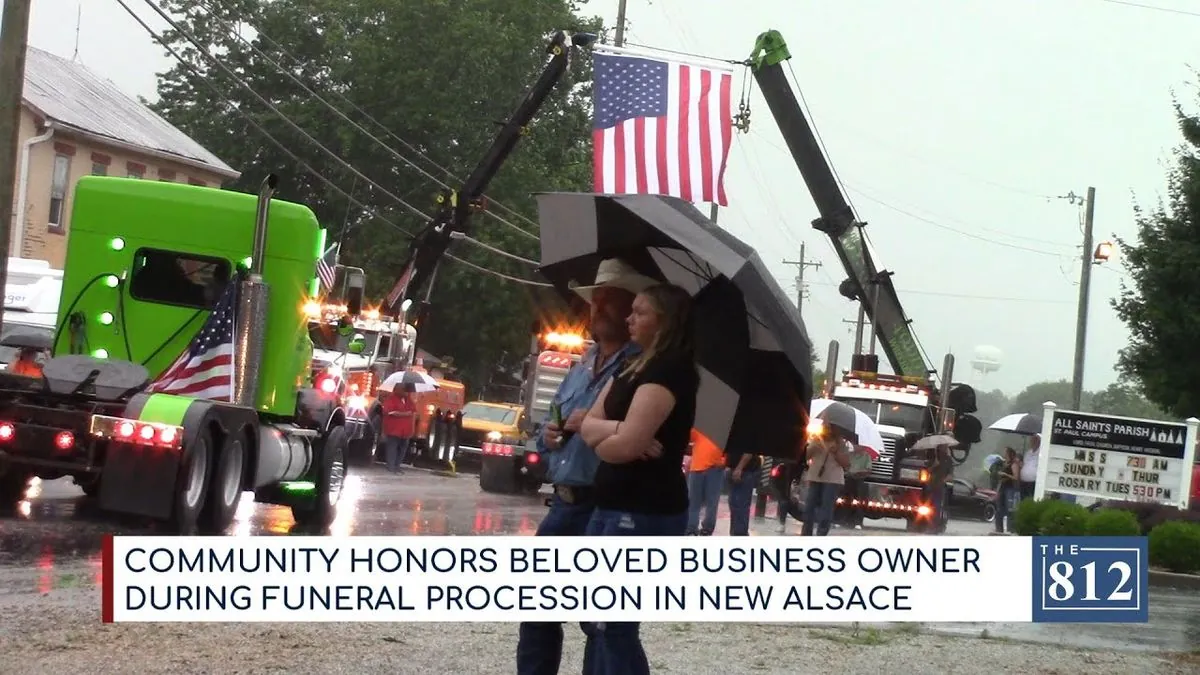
(455, 207)
(867, 284)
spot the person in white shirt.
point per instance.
(1029, 467)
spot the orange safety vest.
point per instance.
(26, 367)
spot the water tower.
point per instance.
(986, 360)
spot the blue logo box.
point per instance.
(1090, 580)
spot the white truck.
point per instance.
(30, 301)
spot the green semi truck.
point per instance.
(148, 263)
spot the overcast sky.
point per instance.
(955, 125)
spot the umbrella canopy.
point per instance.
(1019, 423)
(850, 418)
(931, 442)
(412, 379)
(30, 340)
(752, 349)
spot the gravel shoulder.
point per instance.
(60, 632)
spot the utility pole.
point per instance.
(800, 265)
(1085, 287)
(14, 36)
(620, 37)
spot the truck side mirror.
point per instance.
(355, 282)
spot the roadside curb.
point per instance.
(1161, 579)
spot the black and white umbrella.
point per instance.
(753, 351)
(1019, 423)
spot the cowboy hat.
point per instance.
(616, 273)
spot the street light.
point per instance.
(1104, 251)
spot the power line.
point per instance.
(964, 233)
(968, 296)
(304, 165)
(1156, 8)
(229, 29)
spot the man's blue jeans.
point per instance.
(818, 508)
(395, 449)
(741, 494)
(539, 645)
(704, 492)
(616, 648)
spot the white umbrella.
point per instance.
(869, 437)
(931, 442)
(416, 379)
(1019, 423)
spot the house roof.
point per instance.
(74, 97)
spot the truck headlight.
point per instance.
(356, 402)
(494, 436)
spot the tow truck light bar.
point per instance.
(134, 431)
(906, 389)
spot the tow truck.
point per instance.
(135, 294)
(907, 405)
(513, 464)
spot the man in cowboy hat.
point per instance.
(571, 464)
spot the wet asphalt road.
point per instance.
(55, 531)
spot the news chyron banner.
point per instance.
(676, 579)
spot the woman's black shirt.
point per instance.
(653, 486)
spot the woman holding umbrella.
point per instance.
(828, 457)
(640, 427)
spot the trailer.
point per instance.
(148, 265)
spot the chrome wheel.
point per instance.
(231, 482)
(337, 478)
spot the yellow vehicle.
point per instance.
(484, 422)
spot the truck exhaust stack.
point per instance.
(252, 307)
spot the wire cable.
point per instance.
(229, 71)
(230, 30)
(463, 236)
(304, 165)
(1139, 5)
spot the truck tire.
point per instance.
(450, 444)
(191, 486)
(225, 491)
(362, 451)
(434, 438)
(14, 481)
(497, 478)
(321, 511)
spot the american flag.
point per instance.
(661, 127)
(205, 368)
(327, 266)
(401, 286)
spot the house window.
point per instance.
(135, 169)
(134, 173)
(58, 192)
(172, 278)
(99, 169)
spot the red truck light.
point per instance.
(532, 458)
(134, 431)
(776, 471)
(64, 440)
(327, 384)
(7, 431)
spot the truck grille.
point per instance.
(884, 468)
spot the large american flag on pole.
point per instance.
(205, 368)
(661, 127)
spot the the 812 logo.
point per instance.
(1090, 579)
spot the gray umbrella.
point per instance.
(842, 416)
(752, 348)
(28, 340)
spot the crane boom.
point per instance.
(456, 207)
(866, 283)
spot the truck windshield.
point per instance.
(489, 413)
(325, 336)
(908, 417)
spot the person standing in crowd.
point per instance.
(941, 473)
(1008, 491)
(571, 462)
(827, 457)
(743, 477)
(640, 427)
(1029, 467)
(27, 363)
(706, 477)
(399, 426)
